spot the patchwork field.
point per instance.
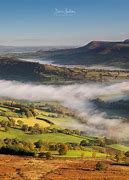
(32, 121)
(40, 130)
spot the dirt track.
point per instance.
(21, 168)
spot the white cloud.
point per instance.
(76, 97)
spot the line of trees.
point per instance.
(18, 147)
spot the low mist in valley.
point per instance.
(79, 98)
(51, 61)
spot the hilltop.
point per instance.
(94, 53)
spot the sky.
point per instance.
(62, 22)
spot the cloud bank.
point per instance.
(77, 97)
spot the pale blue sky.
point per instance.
(34, 22)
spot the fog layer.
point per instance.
(78, 98)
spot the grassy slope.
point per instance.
(78, 153)
(119, 147)
(47, 137)
(8, 112)
(32, 121)
(59, 120)
(3, 118)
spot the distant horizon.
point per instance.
(65, 45)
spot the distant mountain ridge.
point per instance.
(105, 53)
(94, 53)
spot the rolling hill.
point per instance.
(94, 53)
(14, 69)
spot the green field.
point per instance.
(119, 147)
(80, 153)
(32, 121)
(46, 137)
(2, 118)
(8, 112)
(60, 121)
(4, 109)
(52, 129)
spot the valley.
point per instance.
(25, 71)
(63, 120)
(64, 90)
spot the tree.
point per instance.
(26, 111)
(52, 147)
(38, 144)
(117, 157)
(32, 109)
(6, 128)
(43, 148)
(30, 128)
(100, 166)
(36, 126)
(120, 157)
(20, 123)
(48, 155)
(63, 148)
(84, 143)
(101, 142)
(82, 155)
(31, 146)
(127, 154)
(11, 122)
(25, 127)
(94, 154)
